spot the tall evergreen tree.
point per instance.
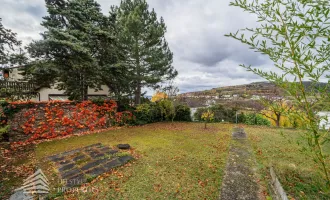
(148, 57)
(71, 44)
(111, 57)
(8, 41)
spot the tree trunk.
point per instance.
(138, 94)
(84, 88)
(138, 73)
(85, 96)
(278, 120)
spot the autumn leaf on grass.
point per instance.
(178, 188)
(158, 187)
(202, 183)
(259, 152)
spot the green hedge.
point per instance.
(183, 113)
(254, 119)
(147, 113)
(161, 111)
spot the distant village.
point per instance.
(253, 91)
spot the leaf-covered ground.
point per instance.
(173, 161)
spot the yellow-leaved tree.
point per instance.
(207, 117)
(158, 96)
(280, 112)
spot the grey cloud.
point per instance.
(37, 11)
(197, 28)
(204, 57)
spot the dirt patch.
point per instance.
(15, 166)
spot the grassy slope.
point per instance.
(184, 161)
(297, 171)
(177, 161)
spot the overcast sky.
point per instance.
(203, 56)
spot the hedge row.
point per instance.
(164, 110)
(222, 114)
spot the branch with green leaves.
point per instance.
(294, 35)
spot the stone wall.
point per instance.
(34, 121)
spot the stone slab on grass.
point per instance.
(92, 160)
(112, 164)
(90, 165)
(96, 171)
(123, 146)
(70, 173)
(66, 167)
(77, 158)
(125, 159)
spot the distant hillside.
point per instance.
(257, 88)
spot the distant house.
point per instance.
(227, 96)
(11, 76)
(255, 97)
(325, 120)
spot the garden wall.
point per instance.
(30, 121)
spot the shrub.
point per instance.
(220, 113)
(198, 114)
(147, 113)
(167, 109)
(256, 119)
(182, 113)
(160, 111)
(241, 118)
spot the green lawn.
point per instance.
(176, 161)
(297, 171)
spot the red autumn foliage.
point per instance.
(55, 119)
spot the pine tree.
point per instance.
(71, 44)
(8, 41)
(148, 56)
(111, 57)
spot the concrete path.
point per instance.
(239, 180)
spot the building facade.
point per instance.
(11, 74)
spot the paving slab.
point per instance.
(66, 167)
(112, 164)
(64, 162)
(111, 152)
(77, 179)
(125, 159)
(90, 165)
(78, 158)
(96, 171)
(70, 173)
(93, 160)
